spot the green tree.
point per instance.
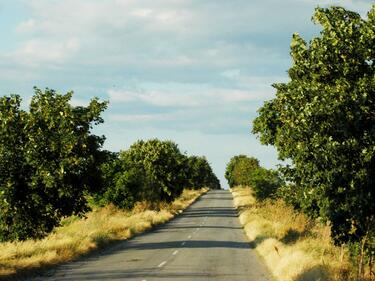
(200, 174)
(122, 182)
(323, 120)
(163, 166)
(239, 168)
(45, 174)
(264, 182)
(17, 216)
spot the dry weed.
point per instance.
(78, 236)
(293, 247)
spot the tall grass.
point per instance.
(293, 247)
(78, 236)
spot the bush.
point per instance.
(264, 182)
(121, 194)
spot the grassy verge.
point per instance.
(78, 236)
(292, 246)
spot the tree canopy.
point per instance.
(152, 171)
(245, 171)
(323, 121)
(47, 159)
(200, 173)
(239, 169)
(163, 165)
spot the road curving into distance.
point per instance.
(205, 242)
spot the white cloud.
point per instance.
(79, 102)
(143, 33)
(142, 13)
(35, 52)
(155, 98)
(131, 118)
(231, 73)
(193, 97)
(360, 6)
(26, 26)
(177, 65)
(163, 33)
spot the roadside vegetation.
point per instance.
(293, 246)
(62, 195)
(77, 236)
(322, 122)
(318, 222)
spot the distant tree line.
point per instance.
(50, 163)
(152, 171)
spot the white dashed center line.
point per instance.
(162, 264)
(189, 237)
(175, 253)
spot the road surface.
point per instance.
(205, 242)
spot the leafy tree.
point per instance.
(212, 181)
(16, 217)
(245, 170)
(323, 120)
(50, 163)
(264, 182)
(121, 182)
(147, 170)
(239, 168)
(122, 192)
(200, 173)
(163, 166)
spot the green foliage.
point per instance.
(200, 174)
(120, 182)
(121, 193)
(323, 120)
(51, 164)
(47, 157)
(244, 170)
(264, 182)
(239, 169)
(162, 165)
(151, 170)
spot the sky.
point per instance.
(191, 71)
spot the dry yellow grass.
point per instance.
(293, 247)
(79, 236)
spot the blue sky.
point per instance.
(192, 71)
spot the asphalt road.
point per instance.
(205, 242)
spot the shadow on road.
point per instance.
(189, 245)
(202, 227)
(140, 274)
(211, 212)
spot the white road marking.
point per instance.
(175, 252)
(189, 237)
(162, 264)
